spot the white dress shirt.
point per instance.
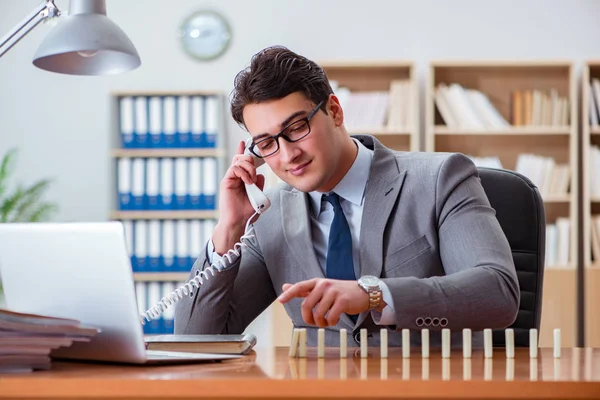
(351, 191)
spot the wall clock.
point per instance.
(205, 35)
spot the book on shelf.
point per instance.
(377, 109)
(550, 177)
(27, 340)
(539, 108)
(594, 168)
(595, 238)
(557, 243)
(594, 102)
(463, 108)
(219, 344)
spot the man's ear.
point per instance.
(335, 110)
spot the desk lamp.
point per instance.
(86, 42)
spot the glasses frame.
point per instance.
(283, 135)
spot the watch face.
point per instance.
(369, 280)
(205, 35)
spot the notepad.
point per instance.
(217, 344)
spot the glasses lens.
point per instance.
(266, 147)
(297, 130)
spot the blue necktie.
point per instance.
(339, 249)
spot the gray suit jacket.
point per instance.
(427, 230)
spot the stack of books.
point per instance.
(26, 340)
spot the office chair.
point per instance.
(520, 211)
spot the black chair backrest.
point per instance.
(520, 211)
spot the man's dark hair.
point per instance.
(274, 73)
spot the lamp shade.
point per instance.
(87, 44)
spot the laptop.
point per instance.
(81, 271)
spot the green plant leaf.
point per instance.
(9, 204)
(31, 196)
(42, 212)
(6, 168)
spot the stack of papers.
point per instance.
(26, 340)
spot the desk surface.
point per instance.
(270, 373)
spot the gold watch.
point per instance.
(370, 284)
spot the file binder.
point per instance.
(181, 184)
(168, 246)
(126, 122)
(138, 184)
(167, 194)
(154, 292)
(182, 258)
(156, 117)
(152, 184)
(154, 256)
(124, 183)
(169, 314)
(197, 125)
(195, 183)
(169, 122)
(141, 122)
(196, 240)
(209, 182)
(211, 117)
(141, 245)
(183, 121)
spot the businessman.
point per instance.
(357, 236)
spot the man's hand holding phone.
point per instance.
(234, 206)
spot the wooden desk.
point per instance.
(271, 374)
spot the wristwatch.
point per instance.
(370, 284)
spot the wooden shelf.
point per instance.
(517, 130)
(170, 153)
(595, 130)
(176, 214)
(379, 131)
(556, 198)
(595, 199)
(160, 276)
(166, 93)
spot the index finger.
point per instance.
(241, 147)
(300, 289)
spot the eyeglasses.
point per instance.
(292, 133)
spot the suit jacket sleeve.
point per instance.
(480, 288)
(228, 301)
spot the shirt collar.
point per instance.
(353, 184)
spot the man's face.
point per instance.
(313, 162)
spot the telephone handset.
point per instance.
(260, 202)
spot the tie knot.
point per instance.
(333, 199)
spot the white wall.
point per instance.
(61, 124)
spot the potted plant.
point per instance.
(23, 203)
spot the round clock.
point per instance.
(205, 35)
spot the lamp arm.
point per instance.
(44, 10)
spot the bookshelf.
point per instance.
(365, 87)
(590, 201)
(502, 110)
(168, 155)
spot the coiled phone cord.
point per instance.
(199, 279)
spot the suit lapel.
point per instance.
(381, 194)
(296, 229)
